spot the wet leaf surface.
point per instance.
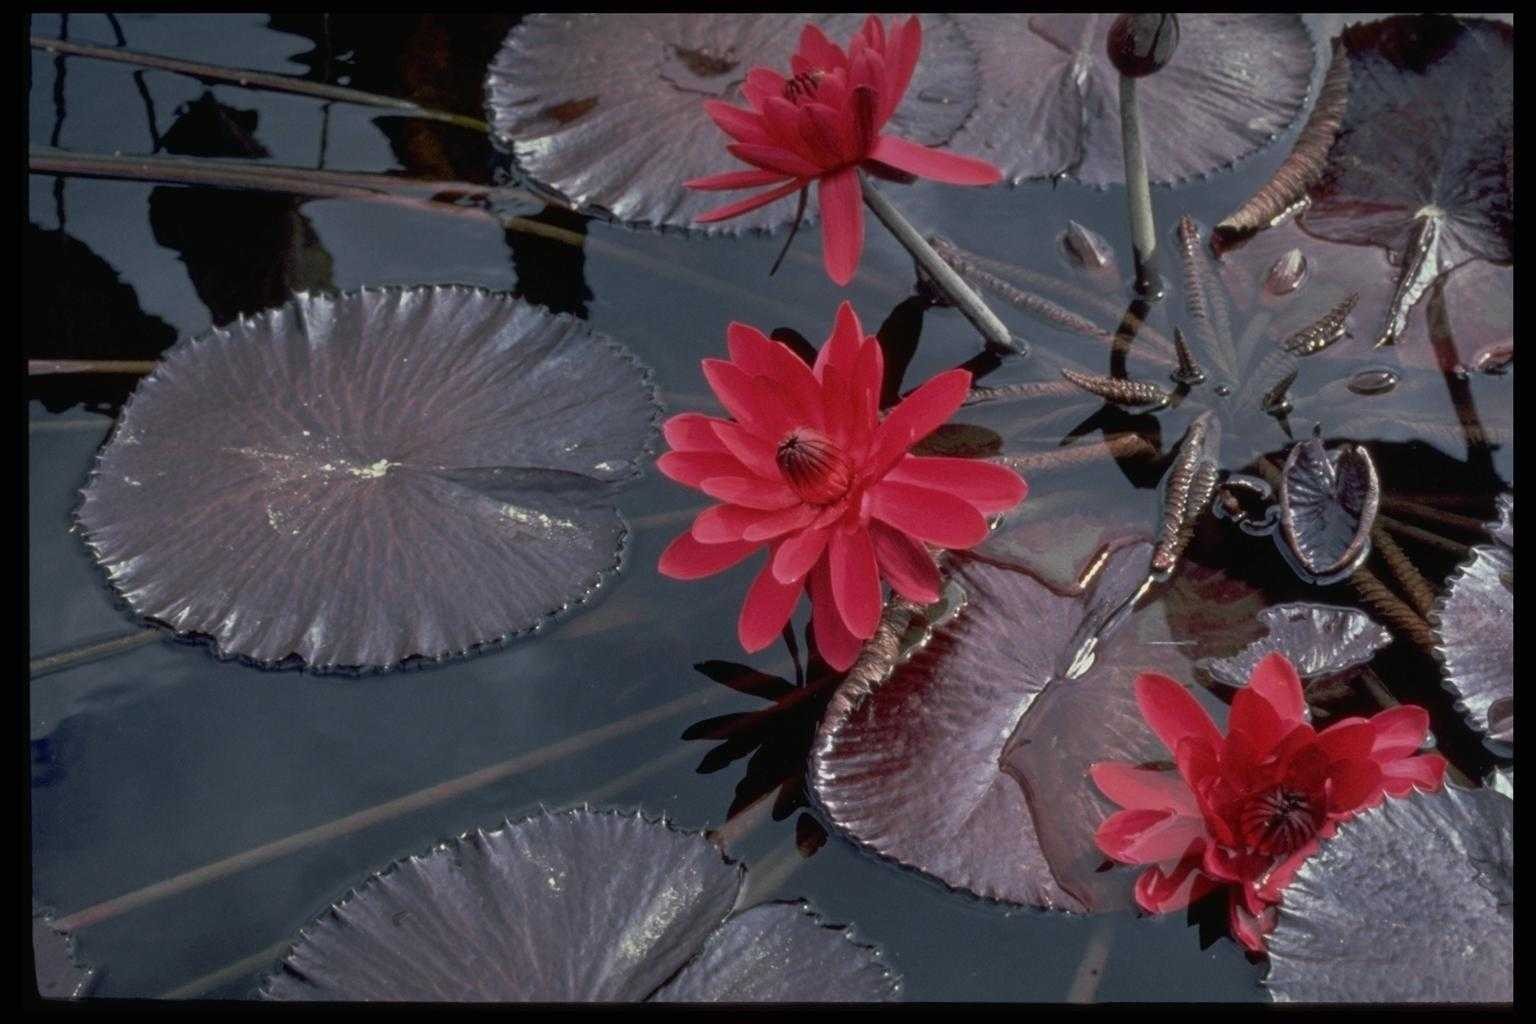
(574, 906)
(969, 761)
(1328, 504)
(611, 116)
(59, 972)
(1321, 641)
(1423, 165)
(359, 480)
(1475, 628)
(1050, 98)
(1412, 901)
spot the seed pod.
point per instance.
(1190, 484)
(1140, 44)
(1086, 248)
(1287, 274)
(1189, 371)
(1120, 390)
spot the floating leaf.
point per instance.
(564, 907)
(59, 972)
(1320, 640)
(608, 110)
(1423, 162)
(1479, 321)
(361, 479)
(1474, 628)
(1412, 901)
(969, 761)
(1502, 780)
(1328, 504)
(1050, 99)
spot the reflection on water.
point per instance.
(190, 815)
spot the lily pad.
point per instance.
(1423, 165)
(1050, 98)
(969, 761)
(607, 111)
(1412, 901)
(360, 479)
(59, 972)
(1320, 640)
(1474, 628)
(579, 906)
(1328, 503)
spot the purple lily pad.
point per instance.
(1424, 160)
(969, 761)
(1050, 98)
(607, 110)
(1320, 640)
(1328, 503)
(579, 906)
(360, 479)
(1475, 628)
(1412, 901)
(58, 970)
(1479, 302)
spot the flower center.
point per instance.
(813, 466)
(803, 86)
(1279, 821)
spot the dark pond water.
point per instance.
(152, 760)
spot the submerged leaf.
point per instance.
(361, 479)
(1412, 901)
(1050, 98)
(1422, 165)
(564, 907)
(608, 111)
(969, 761)
(1474, 628)
(1319, 640)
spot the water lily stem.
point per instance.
(941, 273)
(257, 80)
(1138, 195)
(1116, 446)
(1413, 583)
(134, 367)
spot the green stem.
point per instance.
(257, 80)
(953, 286)
(1137, 194)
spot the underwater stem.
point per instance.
(942, 274)
(257, 80)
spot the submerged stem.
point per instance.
(257, 80)
(943, 275)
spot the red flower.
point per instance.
(1245, 810)
(808, 469)
(822, 124)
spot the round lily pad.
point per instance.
(607, 110)
(969, 761)
(579, 906)
(1412, 901)
(1475, 631)
(360, 479)
(1050, 98)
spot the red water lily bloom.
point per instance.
(822, 124)
(809, 469)
(1243, 811)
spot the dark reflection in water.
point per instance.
(244, 251)
(162, 761)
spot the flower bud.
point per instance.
(1140, 44)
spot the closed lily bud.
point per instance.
(1140, 44)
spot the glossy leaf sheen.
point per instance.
(1412, 901)
(1319, 640)
(572, 906)
(1050, 98)
(59, 972)
(608, 110)
(1475, 628)
(364, 478)
(970, 761)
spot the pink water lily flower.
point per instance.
(1245, 810)
(809, 469)
(822, 124)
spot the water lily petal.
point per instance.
(1275, 679)
(686, 559)
(1399, 731)
(741, 125)
(734, 180)
(855, 581)
(839, 648)
(774, 524)
(933, 164)
(796, 556)
(1158, 892)
(938, 518)
(1143, 788)
(748, 204)
(1142, 836)
(906, 563)
(692, 468)
(918, 415)
(692, 432)
(990, 487)
(753, 492)
(842, 223)
(768, 606)
(1174, 714)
